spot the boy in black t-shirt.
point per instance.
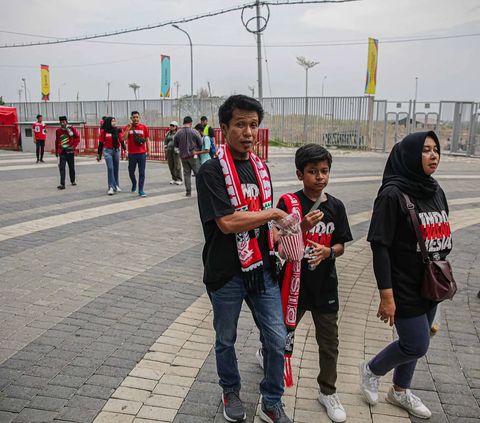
(326, 230)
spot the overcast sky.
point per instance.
(447, 69)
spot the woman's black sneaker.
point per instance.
(233, 409)
(277, 415)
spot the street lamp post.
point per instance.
(304, 63)
(59, 90)
(26, 100)
(191, 64)
(414, 118)
(323, 85)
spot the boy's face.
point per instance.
(315, 176)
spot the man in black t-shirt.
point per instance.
(326, 230)
(234, 199)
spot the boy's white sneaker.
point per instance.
(334, 407)
(110, 191)
(369, 383)
(409, 402)
(259, 355)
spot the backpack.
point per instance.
(213, 150)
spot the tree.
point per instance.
(134, 87)
(2, 103)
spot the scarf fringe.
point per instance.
(254, 281)
(288, 374)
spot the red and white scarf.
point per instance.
(247, 245)
(290, 292)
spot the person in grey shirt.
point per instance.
(189, 142)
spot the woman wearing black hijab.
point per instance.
(109, 143)
(398, 264)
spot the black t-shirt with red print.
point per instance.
(392, 227)
(220, 255)
(319, 287)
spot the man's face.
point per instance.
(204, 122)
(136, 119)
(241, 133)
(40, 119)
(63, 123)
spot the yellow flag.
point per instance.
(45, 83)
(371, 84)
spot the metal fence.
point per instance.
(359, 122)
(341, 121)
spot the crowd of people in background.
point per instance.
(241, 263)
(185, 147)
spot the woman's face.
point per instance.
(113, 123)
(430, 156)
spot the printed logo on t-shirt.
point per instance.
(252, 197)
(321, 234)
(436, 231)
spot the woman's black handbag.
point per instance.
(137, 138)
(438, 282)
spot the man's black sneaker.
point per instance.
(233, 409)
(277, 415)
(478, 295)
(61, 187)
(74, 183)
(37, 161)
(41, 160)
(188, 194)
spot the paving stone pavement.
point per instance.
(104, 317)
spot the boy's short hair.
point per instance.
(187, 120)
(240, 102)
(312, 153)
(39, 116)
(200, 127)
(135, 113)
(203, 118)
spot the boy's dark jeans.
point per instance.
(326, 332)
(40, 149)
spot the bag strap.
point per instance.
(416, 226)
(317, 203)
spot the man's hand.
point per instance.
(319, 253)
(34, 141)
(98, 157)
(126, 155)
(311, 220)
(386, 309)
(149, 153)
(129, 126)
(278, 214)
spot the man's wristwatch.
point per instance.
(332, 253)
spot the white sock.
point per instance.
(398, 393)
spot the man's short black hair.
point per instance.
(240, 102)
(203, 118)
(200, 127)
(312, 153)
(104, 117)
(39, 116)
(135, 113)
(187, 119)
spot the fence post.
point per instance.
(371, 102)
(97, 118)
(306, 121)
(163, 112)
(359, 118)
(283, 120)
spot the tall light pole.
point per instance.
(26, 100)
(323, 84)
(59, 99)
(304, 63)
(108, 91)
(259, 54)
(191, 65)
(416, 88)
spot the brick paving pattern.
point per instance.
(104, 317)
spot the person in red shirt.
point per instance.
(109, 144)
(39, 137)
(138, 148)
(66, 140)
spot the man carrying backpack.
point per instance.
(205, 154)
(208, 130)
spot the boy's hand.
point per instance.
(311, 220)
(319, 253)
